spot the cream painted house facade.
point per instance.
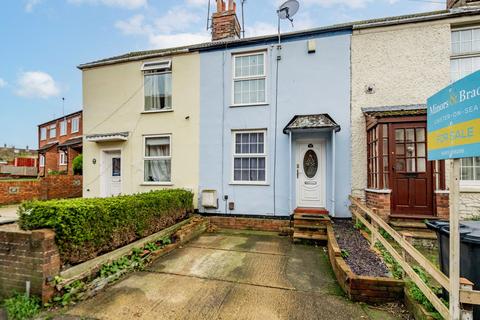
(141, 123)
(396, 66)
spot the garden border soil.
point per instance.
(361, 288)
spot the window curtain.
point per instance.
(157, 169)
(158, 91)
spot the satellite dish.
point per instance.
(288, 9)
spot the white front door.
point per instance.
(310, 168)
(112, 173)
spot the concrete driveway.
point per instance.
(230, 275)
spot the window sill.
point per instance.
(157, 111)
(249, 105)
(472, 188)
(384, 191)
(157, 184)
(241, 183)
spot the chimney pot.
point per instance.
(225, 23)
(220, 6)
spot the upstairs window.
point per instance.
(53, 131)
(157, 85)
(43, 133)
(465, 60)
(158, 159)
(249, 157)
(63, 127)
(75, 125)
(249, 79)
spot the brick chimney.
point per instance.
(462, 3)
(225, 23)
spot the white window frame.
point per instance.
(63, 127)
(75, 128)
(157, 183)
(466, 185)
(50, 128)
(41, 161)
(43, 133)
(156, 67)
(249, 155)
(62, 158)
(264, 76)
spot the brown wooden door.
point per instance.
(412, 174)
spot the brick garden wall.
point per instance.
(442, 205)
(27, 256)
(274, 225)
(49, 187)
(380, 202)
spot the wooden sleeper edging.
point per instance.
(361, 288)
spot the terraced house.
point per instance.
(397, 63)
(270, 126)
(141, 122)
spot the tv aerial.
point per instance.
(286, 12)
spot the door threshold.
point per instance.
(311, 210)
(414, 216)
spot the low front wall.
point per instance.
(49, 187)
(27, 256)
(361, 288)
(259, 224)
(379, 201)
(442, 204)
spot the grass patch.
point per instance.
(21, 307)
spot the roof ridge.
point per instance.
(368, 23)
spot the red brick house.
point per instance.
(59, 142)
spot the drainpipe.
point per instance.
(290, 171)
(334, 158)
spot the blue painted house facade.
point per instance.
(275, 124)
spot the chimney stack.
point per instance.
(225, 23)
(462, 3)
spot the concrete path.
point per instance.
(8, 214)
(230, 276)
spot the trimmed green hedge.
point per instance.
(86, 228)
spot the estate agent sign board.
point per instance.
(453, 120)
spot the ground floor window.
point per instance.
(249, 156)
(157, 159)
(470, 170)
(63, 158)
(377, 152)
(42, 160)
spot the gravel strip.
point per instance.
(356, 250)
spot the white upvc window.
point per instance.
(465, 59)
(157, 83)
(249, 79)
(75, 125)
(43, 133)
(157, 159)
(53, 131)
(249, 157)
(63, 127)
(63, 158)
(41, 161)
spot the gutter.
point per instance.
(453, 13)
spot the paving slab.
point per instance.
(8, 214)
(222, 276)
